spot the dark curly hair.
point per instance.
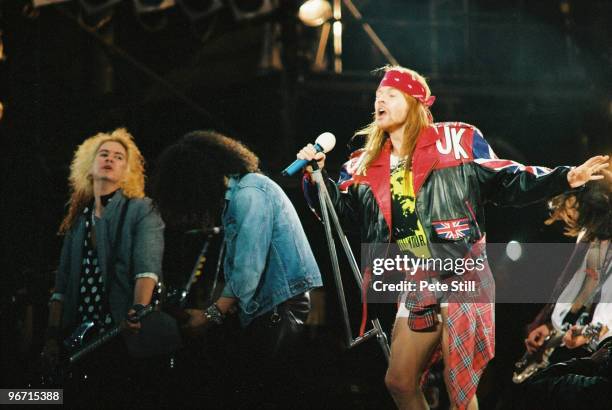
(189, 182)
(589, 210)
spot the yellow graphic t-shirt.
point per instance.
(407, 229)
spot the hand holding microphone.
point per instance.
(324, 143)
(309, 153)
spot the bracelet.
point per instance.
(213, 314)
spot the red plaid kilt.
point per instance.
(471, 335)
(471, 332)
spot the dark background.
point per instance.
(535, 77)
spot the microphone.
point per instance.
(324, 143)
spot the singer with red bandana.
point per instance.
(417, 184)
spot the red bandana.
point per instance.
(407, 83)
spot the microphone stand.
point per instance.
(327, 210)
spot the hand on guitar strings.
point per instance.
(575, 338)
(536, 338)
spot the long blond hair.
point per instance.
(418, 118)
(81, 181)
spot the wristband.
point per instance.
(213, 314)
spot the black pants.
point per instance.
(576, 384)
(259, 367)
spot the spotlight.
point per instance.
(514, 250)
(313, 13)
(197, 9)
(249, 9)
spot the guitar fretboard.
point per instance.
(107, 336)
(94, 344)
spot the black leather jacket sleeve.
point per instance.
(520, 188)
(345, 203)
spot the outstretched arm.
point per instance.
(510, 183)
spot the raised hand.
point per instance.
(591, 170)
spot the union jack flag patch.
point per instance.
(452, 228)
(512, 166)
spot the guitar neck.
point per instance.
(195, 272)
(96, 343)
(105, 337)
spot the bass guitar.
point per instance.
(533, 362)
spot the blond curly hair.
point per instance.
(81, 181)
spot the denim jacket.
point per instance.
(138, 255)
(268, 258)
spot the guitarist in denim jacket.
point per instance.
(269, 266)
